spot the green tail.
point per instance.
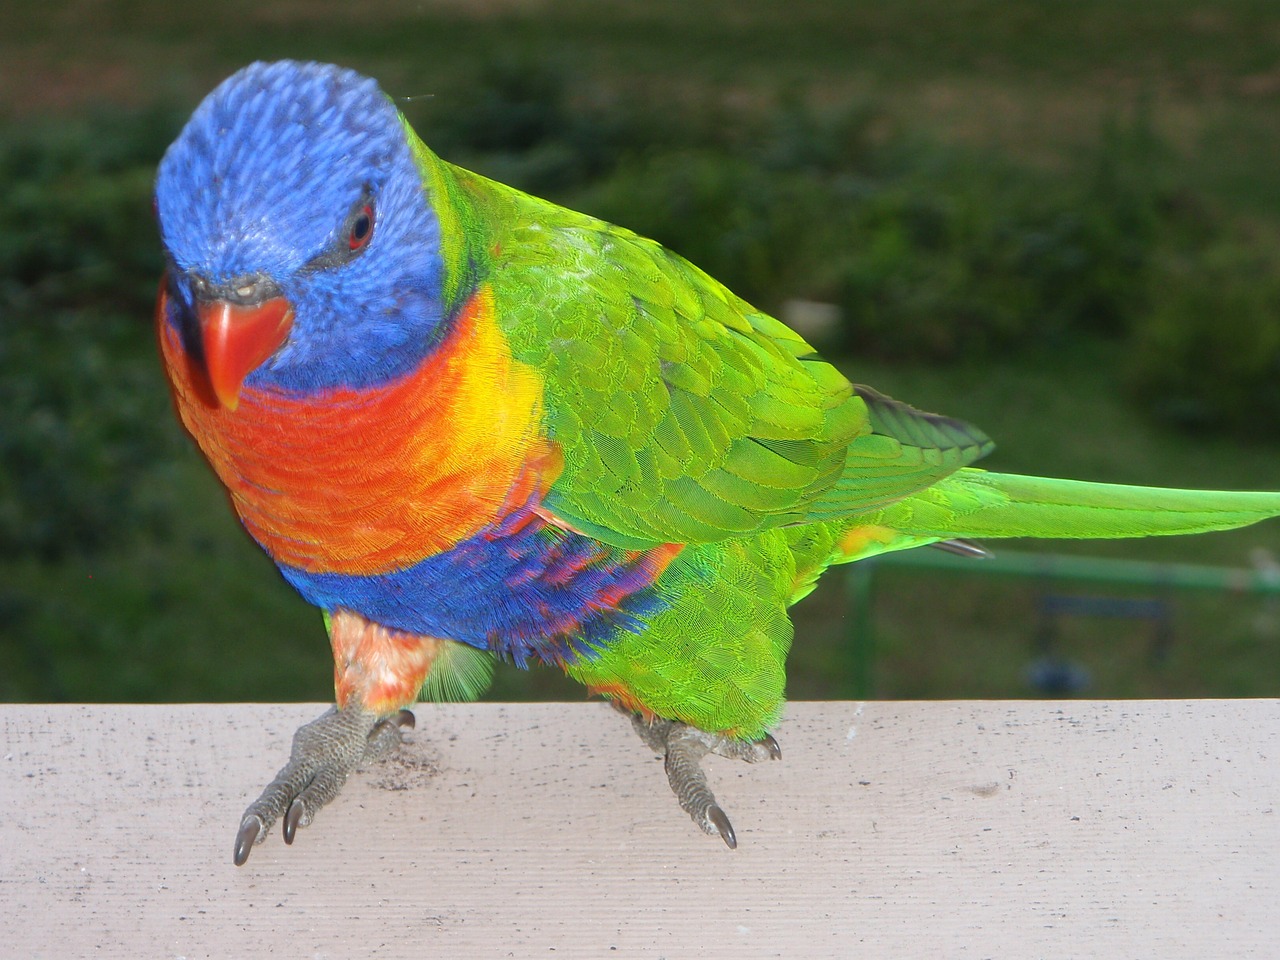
(975, 503)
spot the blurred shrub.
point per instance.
(956, 254)
(1207, 353)
(524, 121)
(77, 212)
(931, 274)
(764, 207)
(746, 226)
(82, 407)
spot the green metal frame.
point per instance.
(860, 585)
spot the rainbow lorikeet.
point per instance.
(467, 423)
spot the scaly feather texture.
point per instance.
(371, 480)
(497, 427)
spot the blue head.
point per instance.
(293, 185)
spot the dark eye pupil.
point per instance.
(361, 227)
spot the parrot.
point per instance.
(469, 424)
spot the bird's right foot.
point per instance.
(325, 752)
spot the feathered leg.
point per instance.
(377, 672)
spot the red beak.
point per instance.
(238, 338)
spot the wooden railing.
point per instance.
(921, 830)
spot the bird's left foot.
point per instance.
(684, 747)
(325, 752)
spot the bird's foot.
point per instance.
(325, 752)
(684, 747)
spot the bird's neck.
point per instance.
(373, 480)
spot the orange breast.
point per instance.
(368, 481)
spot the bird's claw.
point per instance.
(295, 813)
(251, 831)
(721, 822)
(325, 752)
(683, 748)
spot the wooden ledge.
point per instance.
(955, 829)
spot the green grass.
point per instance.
(978, 179)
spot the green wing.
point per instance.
(684, 414)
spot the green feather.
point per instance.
(715, 656)
(975, 503)
(684, 415)
(459, 673)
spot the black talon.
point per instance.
(717, 817)
(246, 838)
(771, 745)
(296, 810)
(406, 719)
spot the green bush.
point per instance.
(82, 405)
(752, 229)
(522, 121)
(931, 276)
(1207, 353)
(956, 255)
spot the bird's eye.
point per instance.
(361, 228)
(350, 239)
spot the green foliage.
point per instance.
(77, 227)
(963, 254)
(522, 120)
(82, 409)
(1207, 353)
(77, 438)
(738, 221)
(934, 274)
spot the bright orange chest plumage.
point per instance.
(370, 481)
